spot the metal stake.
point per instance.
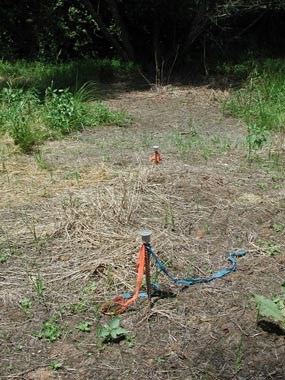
(145, 235)
(156, 154)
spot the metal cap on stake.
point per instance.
(145, 235)
(156, 158)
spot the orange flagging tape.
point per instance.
(156, 158)
(123, 304)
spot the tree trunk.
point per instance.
(197, 27)
(89, 6)
(124, 34)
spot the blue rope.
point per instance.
(127, 296)
(192, 281)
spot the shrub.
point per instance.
(62, 113)
(261, 102)
(30, 120)
(18, 115)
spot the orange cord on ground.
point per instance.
(156, 158)
(123, 304)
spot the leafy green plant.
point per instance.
(239, 355)
(55, 365)
(130, 339)
(5, 335)
(261, 102)
(26, 303)
(88, 92)
(270, 247)
(38, 285)
(73, 175)
(84, 327)
(185, 142)
(272, 311)
(278, 227)
(79, 307)
(18, 114)
(73, 74)
(10, 366)
(42, 162)
(89, 288)
(102, 116)
(49, 330)
(256, 138)
(63, 113)
(273, 308)
(42, 112)
(31, 225)
(3, 258)
(112, 331)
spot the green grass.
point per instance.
(43, 101)
(192, 142)
(261, 100)
(72, 75)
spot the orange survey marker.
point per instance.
(119, 301)
(156, 157)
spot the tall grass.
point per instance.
(261, 101)
(43, 101)
(72, 75)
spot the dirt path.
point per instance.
(70, 217)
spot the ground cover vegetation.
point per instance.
(76, 188)
(41, 101)
(157, 35)
(260, 102)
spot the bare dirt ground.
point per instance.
(70, 217)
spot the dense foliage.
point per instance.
(40, 101)
(261, 101)
(162, 32)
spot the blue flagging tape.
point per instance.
(187, 282)
(127, 296)
(192, 281)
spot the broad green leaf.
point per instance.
(104, 332)
(115, 322)
(267, 308)
(282, 308)
(121, 331)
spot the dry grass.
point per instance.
(17, 188)
(80, 241)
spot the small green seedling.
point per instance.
(10, 366)
(277, 227)
(79, 307)
(38, 285)
(239, 356)
(270, 247)
(112, 331)
(26, 303)
(73, 175)
(3, 258)
(55, 365)
(49, 330)
(130, 339)
(83, 326)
